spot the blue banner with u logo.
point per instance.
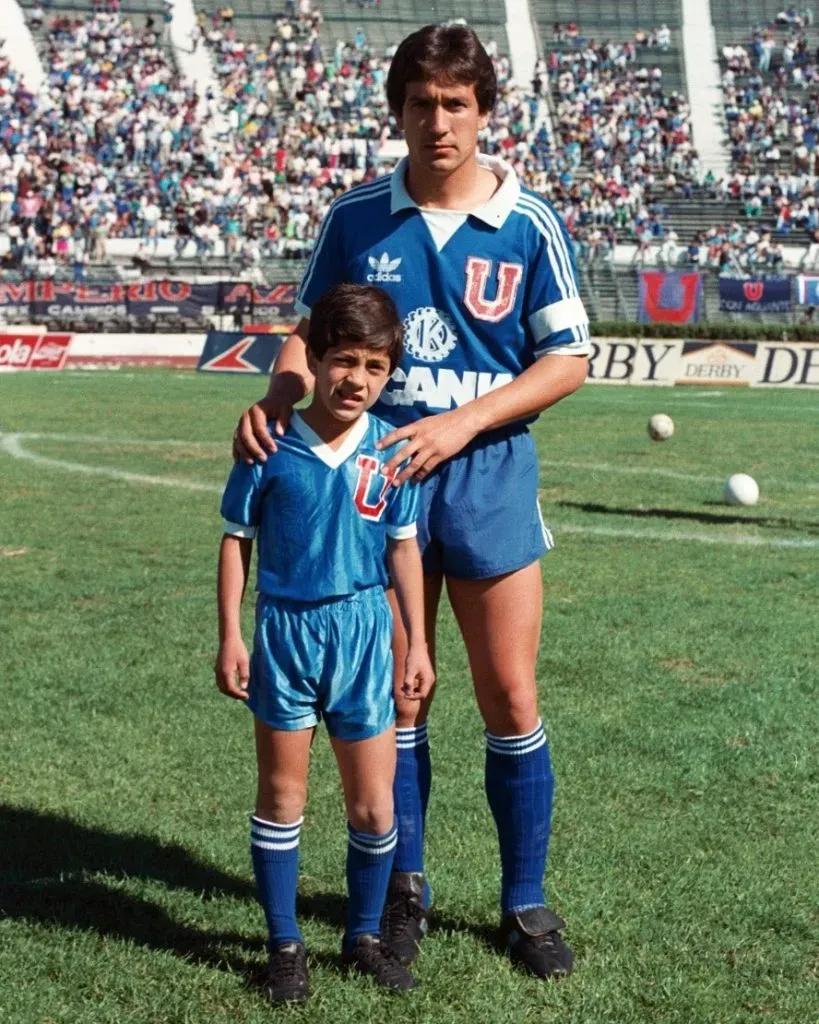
(754, 294)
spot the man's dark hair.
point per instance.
(449, 54)
(356, 314)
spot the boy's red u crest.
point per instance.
(371, 487)
(477, 277)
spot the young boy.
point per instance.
(324, 513)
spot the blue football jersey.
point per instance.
(321, 516)
(480, 302)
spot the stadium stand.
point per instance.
(124, 161)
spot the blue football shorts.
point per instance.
(480, 515)
(329, 659)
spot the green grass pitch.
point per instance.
(678, 682)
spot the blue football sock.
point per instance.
(413, 776)
(275, 853)
(520, 786)
(369, 862)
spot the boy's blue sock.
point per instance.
(369, 862)
(413, 777)
(520, 786)
(275, 853)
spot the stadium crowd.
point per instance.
(116, 145)
(770, 95)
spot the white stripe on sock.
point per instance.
(512, 745)
(270, 830)
(376, 851)
(407, 739)
(274, 846)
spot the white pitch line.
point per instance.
(749, 540)
(670, 474)
(10, 444)
(136, 442)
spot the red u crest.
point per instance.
(752, 290)
(369, 500)
(477, 276)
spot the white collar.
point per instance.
(332, 457)
(494, 212)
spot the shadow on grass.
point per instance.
(45, 866)
(725, 519)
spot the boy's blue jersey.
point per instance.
(479, 306)
(321, 516)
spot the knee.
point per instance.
(411, 713)
(375, 816)
(511, 711)
(280, 802)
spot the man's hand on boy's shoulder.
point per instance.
(427, 443)
(419, 675)
(252, 438)
(232, 668)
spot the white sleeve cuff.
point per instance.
(238, 530)
(402, 532)
(558, 316)
(577, 348)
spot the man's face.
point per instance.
(441, 125)
(349, 379)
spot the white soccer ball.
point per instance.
(660, 427)
(741, 489)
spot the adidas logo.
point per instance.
(384, 269)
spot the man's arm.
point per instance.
(232, 668)
(406, 572)
(289, 382)
(433, 439)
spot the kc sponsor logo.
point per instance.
(429, 334)
(33, 351)
(384, 269)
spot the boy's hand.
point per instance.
(232, 669)
(419, 675)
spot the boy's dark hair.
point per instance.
(449, 54)
(356, 314)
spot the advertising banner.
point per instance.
(236, 352)
(667, 297)
(148, 298)
(662, 363)
(33, 351)
(807, 289)
(754, 295)
(716, 362)
(178, 298)
(279, 300)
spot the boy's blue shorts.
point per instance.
(330, 660)
(480, 515)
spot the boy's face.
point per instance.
(441, 125)
(349, 379)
